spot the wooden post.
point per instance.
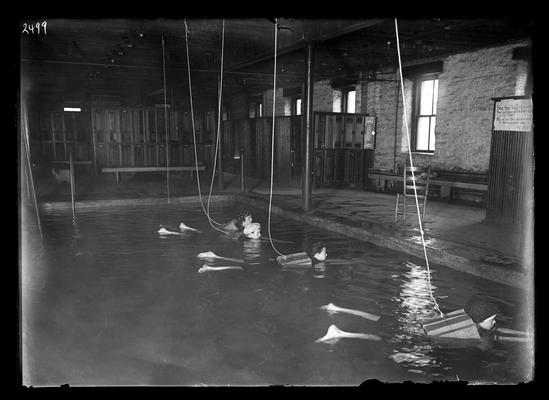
(308, 131)
(241, 169)
(71, 166)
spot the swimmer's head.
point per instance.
(252, 230)
(243, 219)
(318, 251)
(482, 312)
(488, 323)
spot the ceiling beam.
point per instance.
(300, 44)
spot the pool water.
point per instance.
(106, 300)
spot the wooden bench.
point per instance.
(118, 170)
(446, 185)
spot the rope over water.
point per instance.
(272, 139)
(413, 175)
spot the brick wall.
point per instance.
(464, 112)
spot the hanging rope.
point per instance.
(30, 179)
(272, 139)
(193, 126)
(413, 175)
(220, 92)
(166, 123)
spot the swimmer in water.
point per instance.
(314, 254)
(252, 230)
(318, 252)
(477, 320)
(239, 223)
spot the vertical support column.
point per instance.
(71, 171)
(242, 169)
(308, 128)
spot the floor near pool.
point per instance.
(456, 234)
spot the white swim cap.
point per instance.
(252, 229)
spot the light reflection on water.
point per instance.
(116, 296)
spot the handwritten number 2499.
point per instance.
(29, 28)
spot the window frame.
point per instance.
(345, 99)
(294, 105)
(416, 112)
(256, 104)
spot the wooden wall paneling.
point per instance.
(252, 148)
(64, 135)
(261, 154)
(46, 135)
(187, 149)
(53, 136)
(137, 137)
(243, 126)
(296, 147)
(283, 148)
(317, 166)
(266, 146)
(58, 137)
(114, 155)
(230, 149)
(357, 137)
(161, 134)
(181, 137)
(99, 135)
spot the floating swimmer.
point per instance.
(212, 255)
(169, 230)
(239, 223)
(333, 309)
(476, 321)
(316, 253)
(207, 268)
(334, 334)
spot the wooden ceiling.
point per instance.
(82, 59)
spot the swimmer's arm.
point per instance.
(230, 226)
(511, 335)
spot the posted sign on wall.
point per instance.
(513, 115)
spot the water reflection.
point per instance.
(319, 270)
(415, 306)
(251, 249)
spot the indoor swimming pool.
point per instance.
(106, 300)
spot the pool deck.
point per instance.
(456, 235)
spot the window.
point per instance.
(425, 110)
(259, 109)
(344, 100)
(349, 100)
(225, 115)
(337, 101)
(296, 105)
(256, 107)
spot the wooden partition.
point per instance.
(344, 147)
(126, 136)
(63, 132)
(254, 135)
